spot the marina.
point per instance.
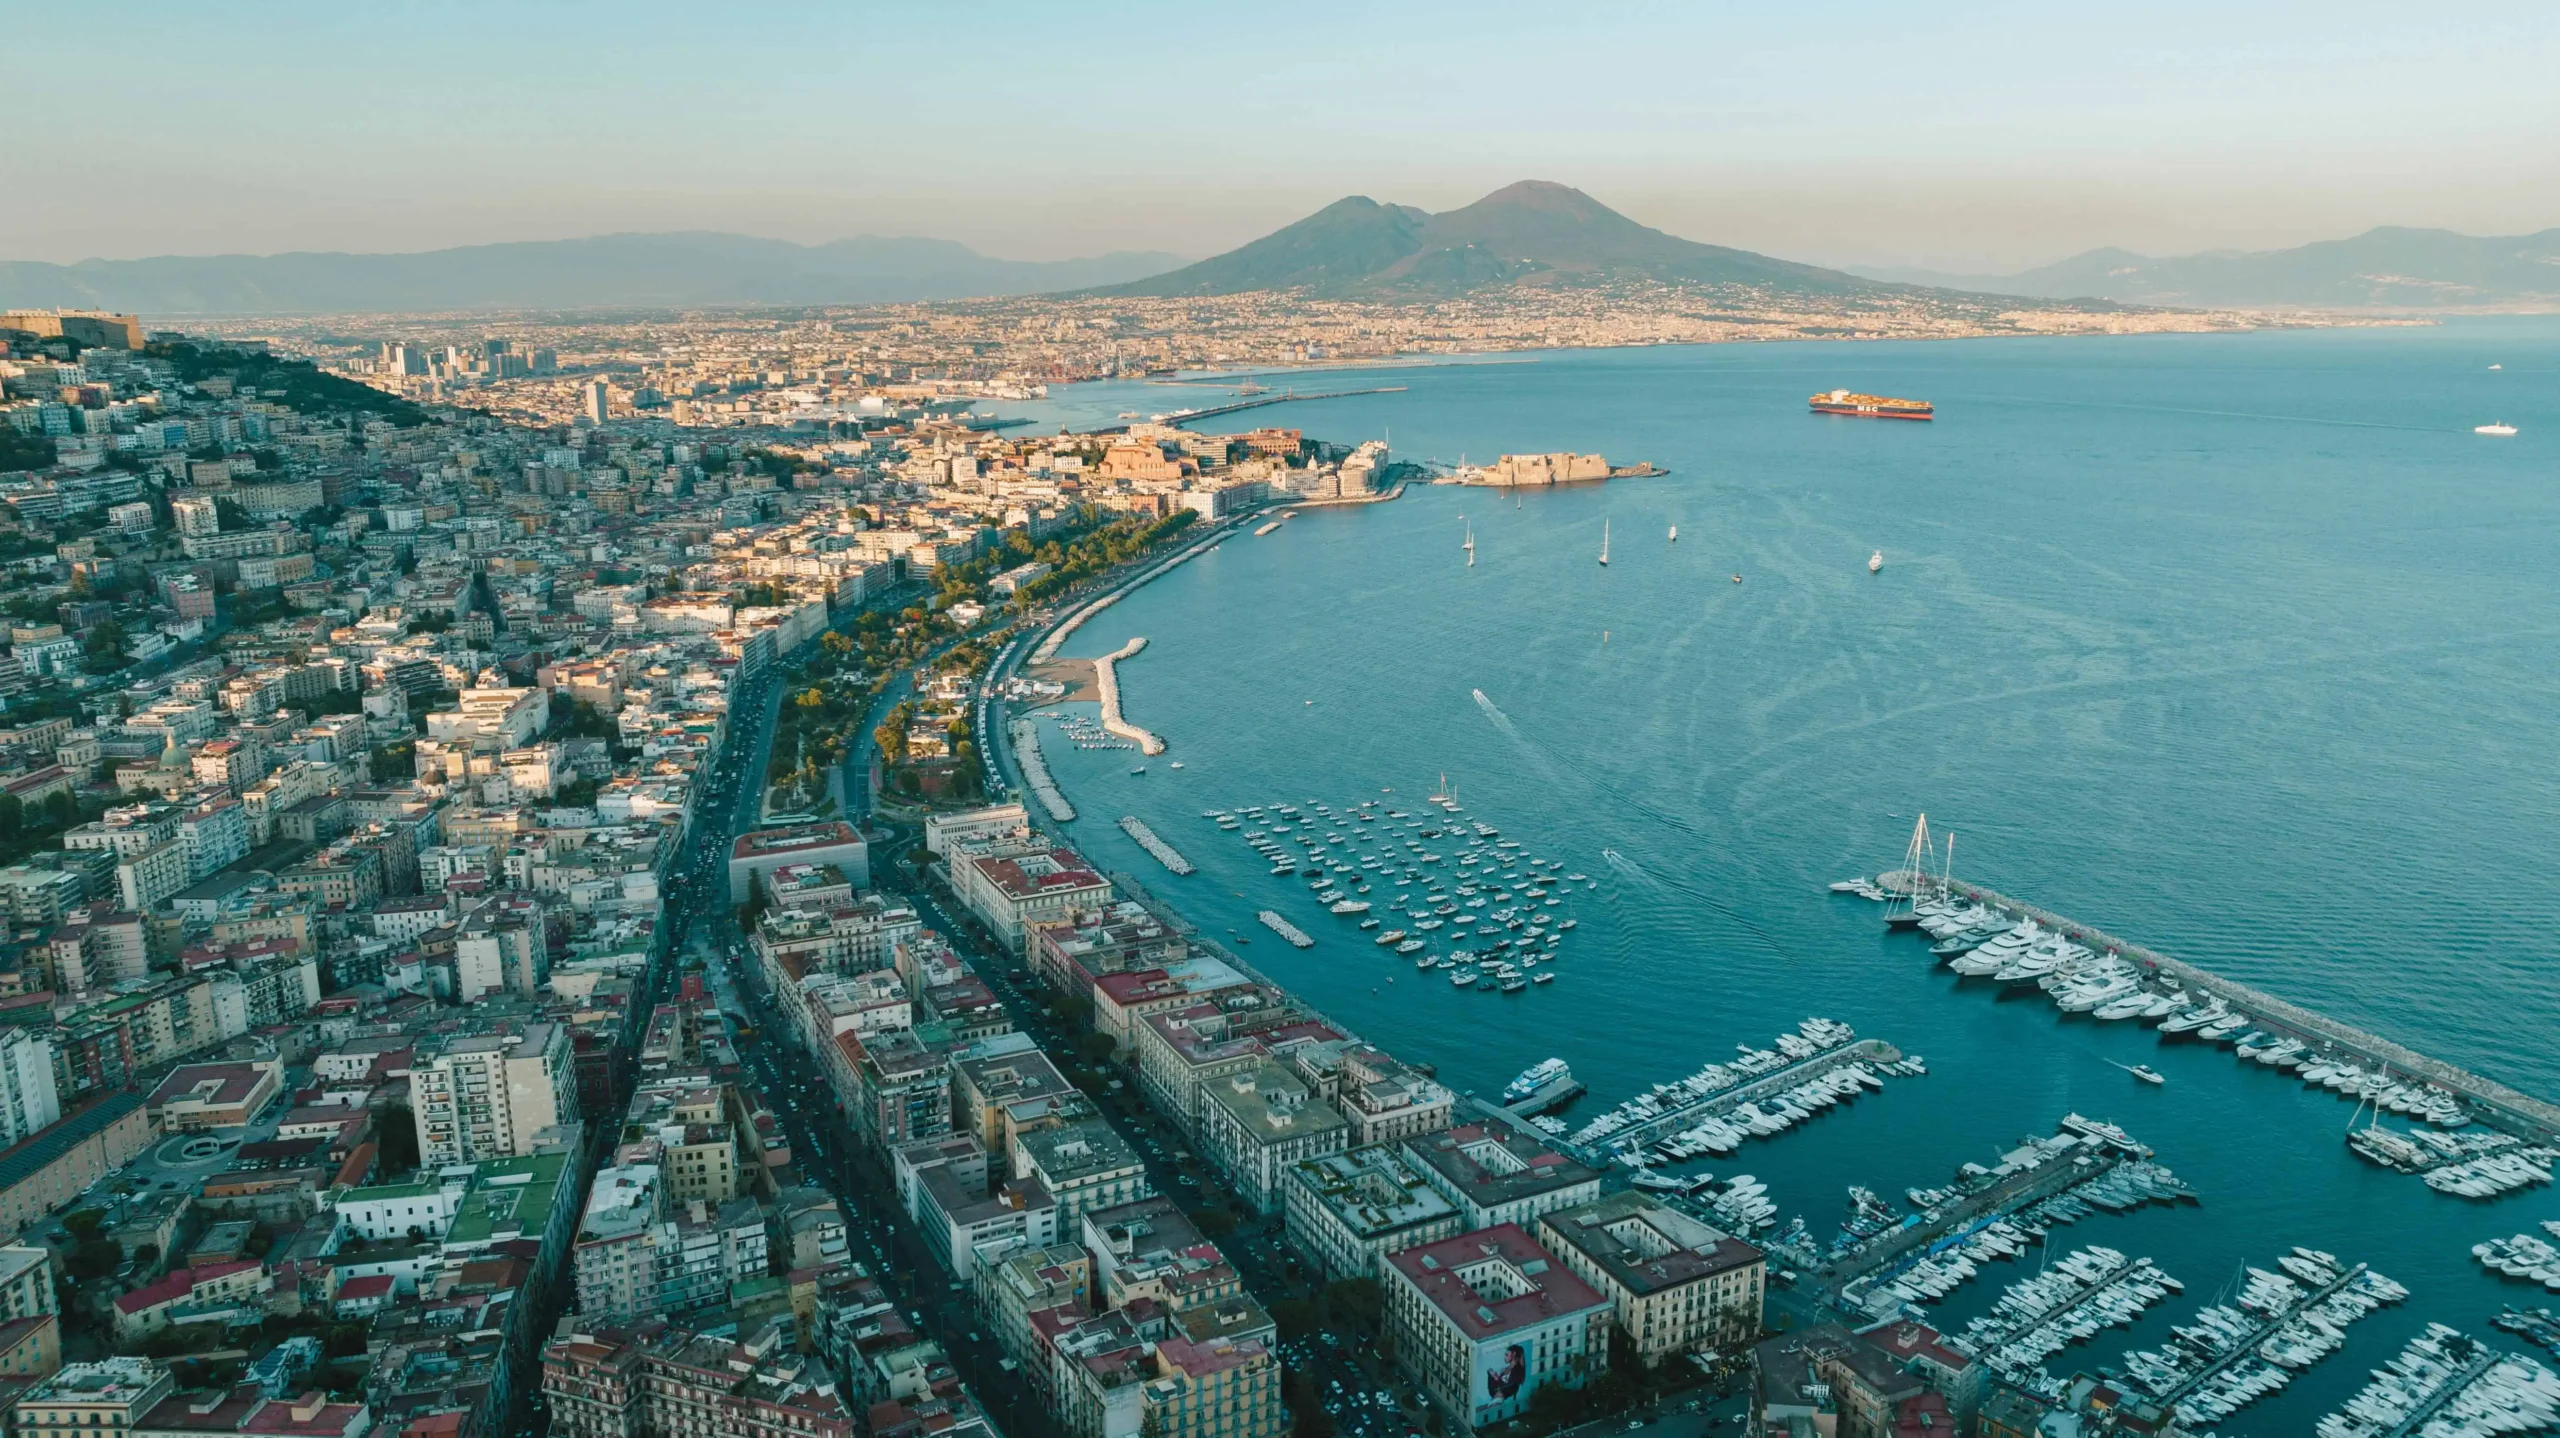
(2445, 1384)
(2085, 1164)
(2275, 1325)
(2126, 980)
(1164, 853)
(1717, 1108)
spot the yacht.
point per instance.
(2500, 429)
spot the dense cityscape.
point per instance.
(535, 905)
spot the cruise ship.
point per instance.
(1539, 1087)
(1871, 406)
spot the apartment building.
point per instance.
(486, 1095)
(1675, 1284)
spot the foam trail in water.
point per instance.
(1642, 875)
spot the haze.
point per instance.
(1978, 138)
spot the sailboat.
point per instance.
(1471, 546)
(1901, 911)
(1604, 543)
(1675, 534)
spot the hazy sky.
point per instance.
(1963, 136)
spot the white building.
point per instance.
(487, 1095)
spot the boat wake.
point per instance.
(1630, 869)
(1494, 712)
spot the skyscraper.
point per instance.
(598, 399)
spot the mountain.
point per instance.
(1532, 233)
(2382, 269)
(603, 271)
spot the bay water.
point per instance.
(2243, 647)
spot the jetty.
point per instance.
(1035, 772)
(1640, 1135)
(1163, 853)
(1181, 417)
(1106, 677)
(1296, 936)
(2492, 1102)
(2245, 1349)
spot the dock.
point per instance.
(2055, 1172)
(2492, 1102)
(1287, 396)
(1653, 1130)
(2246, 1350)
(1164, 853)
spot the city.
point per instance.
(1183, 724)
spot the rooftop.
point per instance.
(1495, 1281)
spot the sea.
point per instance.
(2243, 647)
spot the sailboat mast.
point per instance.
(1947, 871)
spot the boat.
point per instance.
(1875, 561)
(1514, 984)
(1141, 769)
(2501, 429)
(1409, 946)
(1470, 546)
(1675, 534)
(1391, 937)
(1540, 1086)
(1545, 977)
(1350, 906)
(1177, 763)
(2146, 1073)
(1871, 406)
(1604, 544)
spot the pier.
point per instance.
(1106, 677)
(1035, 772)
(1286, 396)
(1653, 1130)
(1164, 853)
(2494, 1103)
(2247, 1349)
(2054, 1174)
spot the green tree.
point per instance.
(1356, 1300)
(1213, 1223)
(397, 1134)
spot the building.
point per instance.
(1011, 886)
(1221, 1388)
(487, 1095)
(1677, 1285)
(213, 1292)
(43, 1173)
(1347, 1210)
(1258, 1124)
(667, 1382)
(196, 1096)
(1850, 1385)
(1083, 1166)
(30, 1102)
(30, 1325)
(1497, 1174)
(106, 1398)
(1483, 1320)
(762, 850)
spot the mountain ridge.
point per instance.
(2388, 267)
(667, 269)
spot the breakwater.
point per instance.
(2492, 1102)
(1035, 772)
(1163, 853)
(1106, 677)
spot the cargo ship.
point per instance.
(1870, 406)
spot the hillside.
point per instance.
(1532, 233)
(2382, 269)
(603, 271)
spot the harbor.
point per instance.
(1692, 1109)
(2377, 1062)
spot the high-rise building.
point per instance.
(29, 1102)
(598, 400)
(195, 515)
(486, 1095)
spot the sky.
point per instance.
(1968, 137)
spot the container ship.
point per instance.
(1870, 406)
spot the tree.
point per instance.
(1295, 1318)
(1097, 1048)
(94, 1258)
(84, 1223)
(399, 1137)
(1213, 1223)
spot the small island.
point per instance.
(1518, 470)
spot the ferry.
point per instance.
(1541, 1086)
(1871, 406)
